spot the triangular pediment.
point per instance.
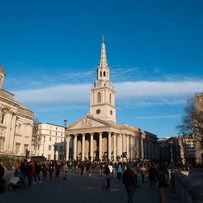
(88, 122)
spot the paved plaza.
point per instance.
(79, 188)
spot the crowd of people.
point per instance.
(155, 174)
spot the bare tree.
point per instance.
(186, 126)
(192, 123)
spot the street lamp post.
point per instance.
(64, 154)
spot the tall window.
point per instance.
(100, 73)
(2, 118)
(17, 148)
(110, 98)
(104, 74)
(99, 97)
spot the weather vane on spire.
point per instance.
(103, 38)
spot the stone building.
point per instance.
(177, 150)
(16, 123)
(198, 127)
(49, 141)
(98, 136)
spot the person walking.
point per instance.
(108, 176)
(163, 180)
(130, 182)
(1, 176)
(44, 170)
(38, 168)
(119, 172)
(143, 172)
(57, 170)
(151, 176)
(65, 170)
(88, 168)
(82, 168)
(51, 169)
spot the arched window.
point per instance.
(104, 74)
(110, 98)
(100, 73)
(99, 97)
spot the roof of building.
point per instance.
(2, 69)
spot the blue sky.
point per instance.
(50, 51)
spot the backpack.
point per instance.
(127, 178)
(165, 178)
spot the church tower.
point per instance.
(102, 94)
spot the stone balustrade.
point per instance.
(188, 190)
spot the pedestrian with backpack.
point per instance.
(163, 181)
(130, 182)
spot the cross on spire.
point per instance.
(103, 38)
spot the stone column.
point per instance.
(67, 146)
(100, 146)
(127, 146)
(123, 143)
(83, 147)
(75, 147)
(130, 146)
(91, 145)
(119, 144)
(142, 148)
(23, 131)
(12, 133)
(8, 118)
(114, 147)
(109, 146)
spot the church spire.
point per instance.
(103, 62)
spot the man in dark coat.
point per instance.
(130, 182)
(38, 168)
(1, 176)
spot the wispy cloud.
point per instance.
(158, 117)
(78, 75)
(148, 89)
(156, 70)
(131, 94)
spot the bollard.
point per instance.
(186, 185)
(182, 180)
(178, 176)
(196, 193)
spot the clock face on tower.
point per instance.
(99, 83)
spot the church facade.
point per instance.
(97, 136)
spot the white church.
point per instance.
(97, 136)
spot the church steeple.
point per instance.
(102, 104)
(103, 69)
(103, 62)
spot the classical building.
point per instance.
(49, 141)
(177, 150)
(187, 143)
(98, 136)
(198, 127)
(16, 123)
